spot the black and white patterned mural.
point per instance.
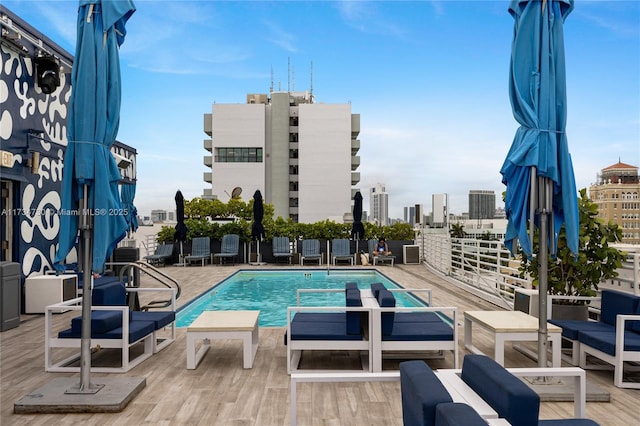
(33, 141)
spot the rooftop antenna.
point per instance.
(311, 78)
(293, 78)
(288, 74)
(271, 86)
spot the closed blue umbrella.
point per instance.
(357, 228)
(538, 172)
(127, 195)
(90, 174)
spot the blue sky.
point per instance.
(429, 79)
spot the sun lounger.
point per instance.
(340, 250)
(281, 249)
(200, 250)
(162, 253)
(310, 251)
(229, 249)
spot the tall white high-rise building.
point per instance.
(379, 205)
(300, 154)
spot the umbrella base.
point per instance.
(113, 397)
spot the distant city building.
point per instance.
(379, 205)
(616, 194)
(410, 215)
(439, 210)
(300, 154)
(482, 204)
(159, 215)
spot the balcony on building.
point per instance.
(355, 125)
(208, 124)
(208, 160)
(355, 178)
(208, 145)
(355, 146)
(208, 177)
(355, 162)
(207, 194)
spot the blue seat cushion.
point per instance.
(386, 300)
(457, 414)
(606, 342)
(101, 321)
(616, 302)
(320, 317)
(416, 317)
(137, 330)
(568, 422)
(421, 392)
(635, 325)
(419, 331)
(303, 330)
(505, 393)
(571, 328)
(160, 318)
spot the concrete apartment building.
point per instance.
(300, 154)
(616, 194)
(379, 205)
(482, 204)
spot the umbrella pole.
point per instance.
(546, 209)
(85, 224)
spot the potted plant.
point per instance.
(570, 275)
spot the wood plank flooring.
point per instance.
(221, 392)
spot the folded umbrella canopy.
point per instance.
(90, 199)
(357, 228)
(127, 195)
(257, 229)
(538, 173)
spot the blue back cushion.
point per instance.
(111, 294)
(457, 414)
(508, 395)
(421, 392)
(635, 325)
(375, 289)
(351, 286)
(386, 300)
(353, 317)
(616, 302)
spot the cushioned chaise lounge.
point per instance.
(310, 251)
(340, 250)
(327, 328)
(162, 253)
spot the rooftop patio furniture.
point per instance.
(162, 253)
(310, 251)
(496, 394)
(113, 325)
(615, 338)
(340, 250)
(327, 328)
(200, 251)
(229, 248)
(374, 259)
(411, 329)
(282, 249)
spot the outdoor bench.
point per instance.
(113, 325)
(615, 338)
(492, 391)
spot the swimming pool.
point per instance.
(272, 291)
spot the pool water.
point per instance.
(271, 292)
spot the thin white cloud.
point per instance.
(280, 37)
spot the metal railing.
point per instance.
(486, 268)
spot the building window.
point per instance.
(238, 155)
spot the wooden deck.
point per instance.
(221, 392)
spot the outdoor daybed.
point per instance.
(615, 338)
(113, 325)
(327, 328)
(483, 389)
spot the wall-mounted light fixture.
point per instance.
(47, 73)
(34, 162)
